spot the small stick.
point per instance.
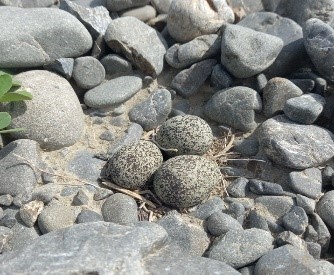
(150, 213)
(224, 186)
(257, 160)
(150, 193)
(227, 148)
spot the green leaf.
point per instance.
(16, 83)
(12, 130)
(16, 96)
(5, 119)
(5, 83)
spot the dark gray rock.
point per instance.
(29, 212)
(22, 27)
(277, 206)
(144, 13)
(322, 235)
(187, 82)
(187, 233)
(234, 107)
(237, 211)
(162, 6)
(306, 85)
(219, 223)
(118, 5)
(325, 208)
(306, 182)
(306, 203)
(95, 19)
(276, 93)
(238, 188)
(242, 59)
(261, 187)
(80, 198)
(62, 66)
(6, 200)
(203, 47)
(107, 135)
(257, 220)
(238, 248)
(88, 216)
(314, 249)
(153, 111)
(296, 220)
(294, 145)
(146, 53)
(247, 147)
(311, 234)
(188, 19)
(319, 82)
(121, 209)
(114, 64)
(88, 72)
(248, 203)
(113, 92)
(220, 78)
(304, 109)
(327, 176)
(206, 209)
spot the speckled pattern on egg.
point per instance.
(132, 166)
(189, 134)
(185, 181)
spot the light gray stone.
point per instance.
(28, 3)
(219, 223)
(28, 43)
(80, 198)
(220, 78)
(162, 6)
(6, 200)
(277, 206)
(306, 203)
(322, 235)
(287, 237)
(325, 208)
(118, 5)
(206, 209)
(144, 13)
(89, 216)
(29, 212)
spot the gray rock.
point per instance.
(89, 216)
(286, 260)
(56, 216)
(133, 165)
(188, 134)
(80, 198)
(325, 208)
(304, 109)
(237, 211)
(306, 182)
(203, 47)
(144, 13)
(175, 184)
(88, 72)
(28, 3)
(16, 175)
(319, 82)
(187, 82)
(277, 206)
(118, 5)
(102, 193)
(306, 203)
(90, 3)
(314, 249)
(6, 200)
(113, 92)
(107, 135)
(188, 19)
(206, 209)
(247, 147)
(22, 27)
(234, 107)
(153, 111)
(311, 234)
(45, 193)
(276, 93)
(121, 209)
(306, 85)
(296, 220)
(262, 81)
(322, 235)
(238, 188)
(5, 236)
(220, 78)
(247, 270)
(238, 248)
(146, 53)
(219, 223)
(257, 220)
(114, 64)
(294, 145)
(287, 237)
(162, 6)
(62, 66)
(187, 233)
(262, 187)
(326, 267)
(29, 212)
(95, 19)
(327, 175)
(47, 118)
(242, 59)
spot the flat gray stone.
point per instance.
(144, 13)
(219, 223)
(113, 92)
(35, 37)
(89, 216)
(277, 206)
(114, 64)
(234, 107)
(220, 78)
(118, 5)
(247, 146)
(238, 188)
(322, 236)
(141, 44)
(325, 208)
(206, 209)
(52, 120)
(153, 111)
(238, 248)
(81, 198)
(306, 203)
(262, 187)
(293, 145)
(296, 220)
(245, 52)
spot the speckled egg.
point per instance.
(185, 181)
(132, 166)
(190, 135)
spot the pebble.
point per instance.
(187, 233)
(307, 182)
(296, 220)
(220, 78)
(107, 135)
(325, 208)
(175, 184)
(237, 211)
(29, 212)
(188, 134)
(277, 206)
(6, 200)
(80, 198)
(275, 94)
(121, 209)
(153, 111)
(306, 85)
(113, 92)
(133, 165)
(88, 72)
(323, 236)
(234, 107)
(189, 19)
(47, 118)
(206, 209)
(62, 66)
(238, 56)
(144, 13)
(187, 82)
(257, 220)
(5, 237)
(314, 249)
(40, 28)
(220, 223)
(247, 147)
(146, 53)
(118, 5)
(45, 193)
(115, 64)
(288, 237)
(239, 248)
(306, 203)
(327, 176)
(261, 187)
(162, 6)
(238, 188)
(88, 216)
(102, 193)
(294, 145)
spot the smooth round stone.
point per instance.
(296, 220)
(143, 13)
(88, 72)
(186, 180)
(325, 208)
(219, 223)
(188, 19)
(54, 117)
(304, 109)
(89, 216)
(162, 6)
(115, 64)
(188, 134)
(132, 166)
(118, 5)
(113, 92)
(121, 209)
(206, 209)
(220, 78)
(238, 188)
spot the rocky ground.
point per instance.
(168, 137)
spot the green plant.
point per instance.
(10, 91)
